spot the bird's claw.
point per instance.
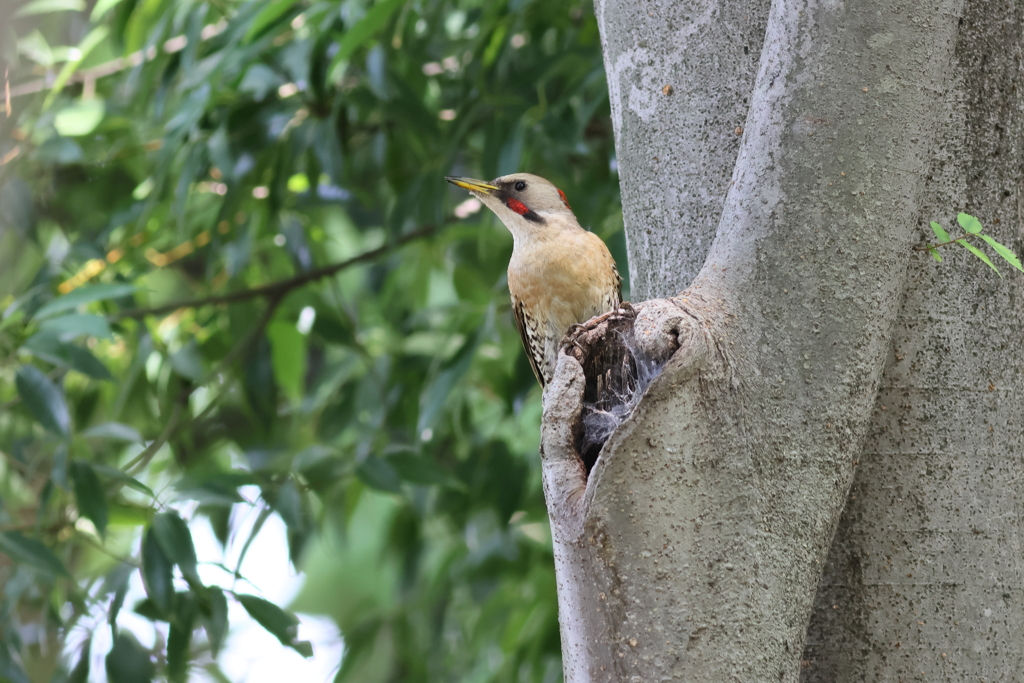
(577, 330)
(573, 335)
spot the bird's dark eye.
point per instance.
(520, 186)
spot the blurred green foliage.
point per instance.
(161, 152)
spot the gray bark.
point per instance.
(694, 549)
(925, 580)
(680, 75)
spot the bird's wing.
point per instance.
(532, 341)
(618, 287)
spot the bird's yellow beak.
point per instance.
(472, 185)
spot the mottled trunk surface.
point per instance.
(695, 548)
(925, 581)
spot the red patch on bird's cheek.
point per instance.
(517, 206)
(564, 200)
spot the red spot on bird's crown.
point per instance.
(564, 200)
(517, 206)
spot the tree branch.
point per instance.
(143, 458)
(943, 244)
(275, 293)
(170, 46)
(279, 288)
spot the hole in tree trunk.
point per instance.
(617, 375)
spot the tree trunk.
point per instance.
(925, 581)
(694, 549)
(680, 76)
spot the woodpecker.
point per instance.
(560, 275)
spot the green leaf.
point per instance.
(379, 474)
(298, 183)
(288, 358)
(494, 44)
(52, 349)
(257, 525)
(59, 467)
(179, 638)
(969, 223)
(287, 501)
(96, 36)
(258, 381)
(127, 479)
(81, 118)
(259, 81)
(157, 573)
(115, 431)
(363, 30)
(421, 469)
(130, 514)
(35, 47)
(940, 232)
(935, 254)
(283, 625)
(291, 505)
(101, 8)
(89, 495)
(147, 609)
(75, 325)
(128, 661)
(49, 6)
(188, 362)
(1005, 252)
(32, 552)
(44, 400)
(117, 582)
(303, 647)
(187, 116)
(175, 539)
(216, 623)
(267, 17)
(333, 329)
(434, 394)
(85, 295)
(980, 254)
(217, 488)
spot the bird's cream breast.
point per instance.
(566, 282)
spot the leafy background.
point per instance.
(236, 284)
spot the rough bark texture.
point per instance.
(694, 549)
(925, 581)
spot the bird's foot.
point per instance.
(573, 335)
(580, 330)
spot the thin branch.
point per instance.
(943, 244)
(32, 526)
(281, 287)
(103, 549)
(9, 157)
(170, 46)
(143, 458)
